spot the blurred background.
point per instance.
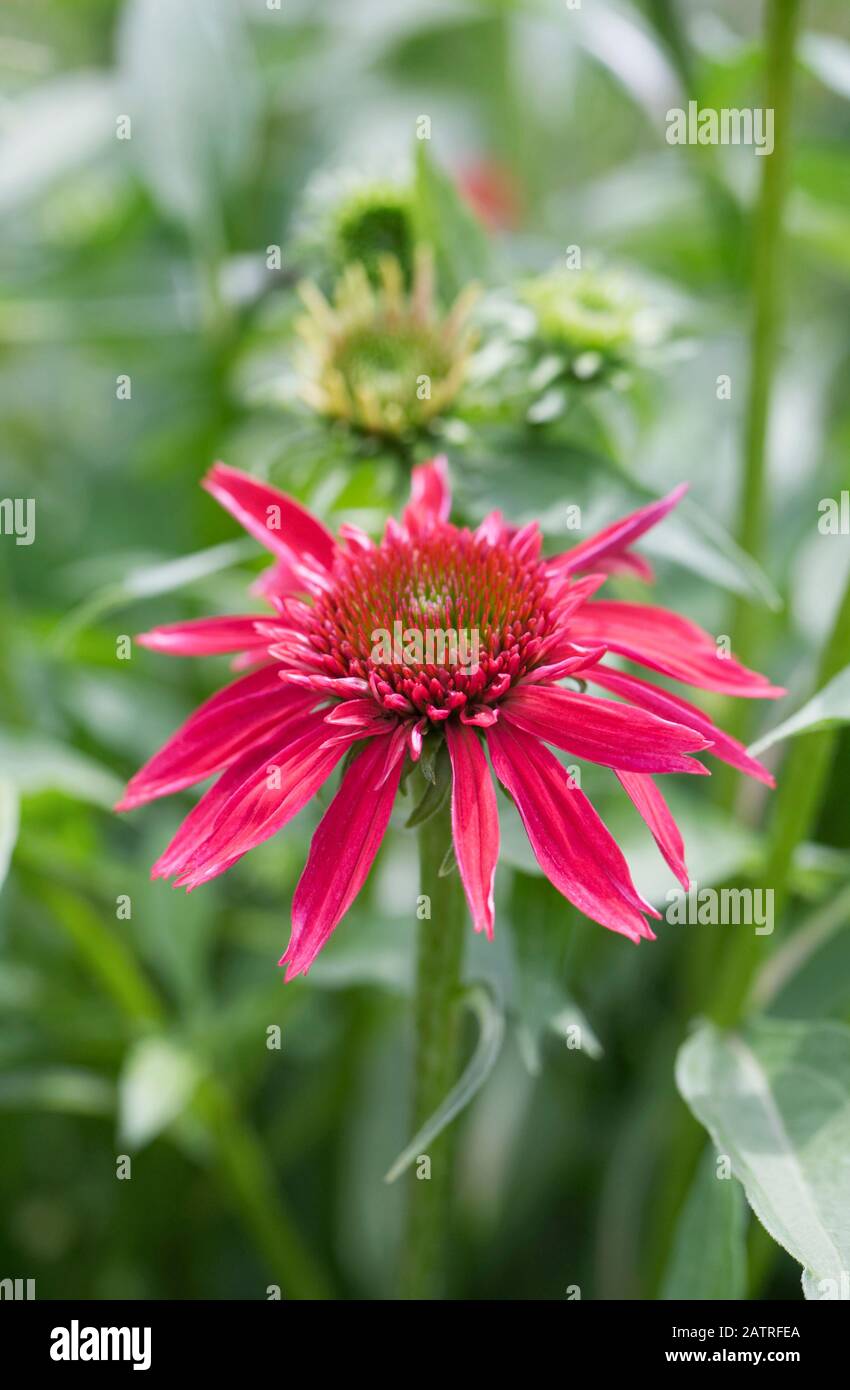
(168, 174)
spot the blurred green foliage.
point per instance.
(147, 1032)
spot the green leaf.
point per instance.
(66, 1090)
(9, 821)
(808, 974)
(36, 764)
(446, 223)
(191, 93)
(708, 1258)
(693, 538)
(148, 581)
(831, 706)
(438, 775)
(776, 1099)
(157, 1083)
(491, 1025)
(827, 57)
(51, 131)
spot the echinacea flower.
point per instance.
(316, 691)
(349, 215)
(383, 361)
(596, 318)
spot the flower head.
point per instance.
(380, 359)
(596, 318)
(319, 687)
(350, 216)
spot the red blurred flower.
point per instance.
(315, 688)
(491, 191)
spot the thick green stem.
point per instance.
(439, 959)
(781, 18)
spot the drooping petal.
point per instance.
(571, 844)
(668, 643)
(615, 539)
(225, 726)
(603, 731)
(248, 809)
(669, 706)
(341, 854)
(206, 636)
(655, 811)
(430, 495)
(475, 822)
(275, 520)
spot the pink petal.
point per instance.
(430, 494)
(655, 811)
(570, 594)
(572, 661)
(630, 563)
(224, 727)
(669, 706)
(276, 521)
(670, 644)
(361, 713)
(603, 731)
(475, 822)
(252, 801)
(285, 576)
(341, 854)
(205, 636)
(614, 539)
(527, 542)
(492, 529)
(571, 844)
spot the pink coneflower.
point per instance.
(315, 689)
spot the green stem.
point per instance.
(439, 960)
(806, 769)
(781, 18)
(802, 780)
